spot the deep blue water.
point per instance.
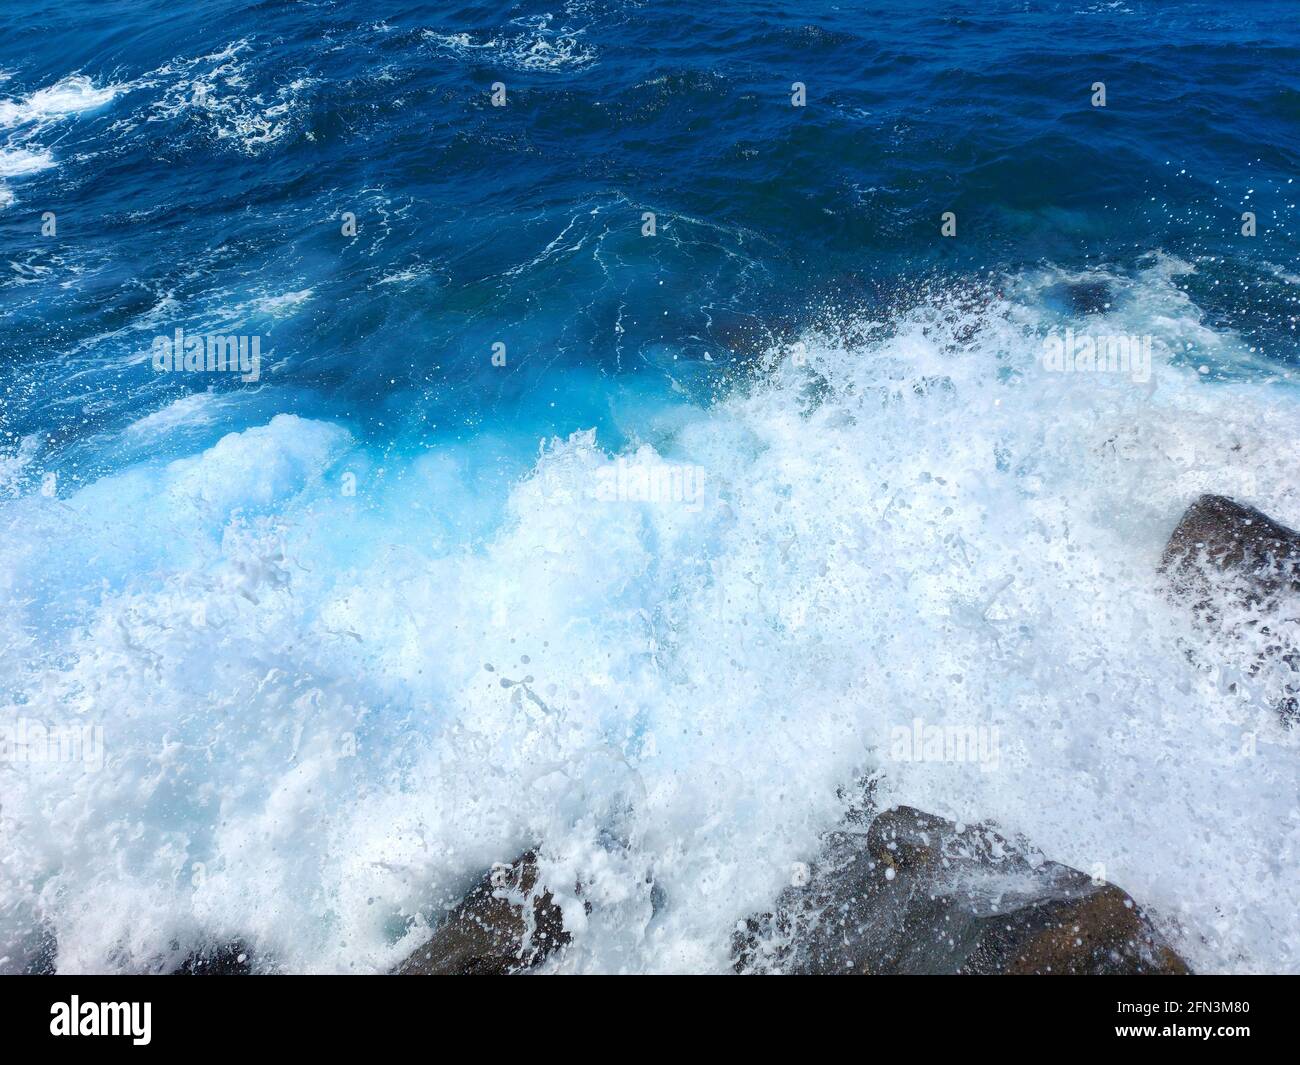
(522, 224)
(362, 627)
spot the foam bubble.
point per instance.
(533, 44)
(71, 96)
(19, 162)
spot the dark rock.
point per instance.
(1080, 297)
(913, 895)
(227, 959)
(1219, 536)
(1225, 557)
(38, 954)
(1088, 297)
(487, 934)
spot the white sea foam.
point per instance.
(532, 43)
(215, 91)
(281, 305)
(71, 96)
(13, 464)
(189, 412)
(326, 711)
(28, 117)
(19, 162)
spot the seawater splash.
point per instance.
(304, 745)
(71, 96)
(530, 44)
(29, 117)
(18, 162)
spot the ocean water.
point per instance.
(747, 496)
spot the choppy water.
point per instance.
(390, 612)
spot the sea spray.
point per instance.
(318, 756)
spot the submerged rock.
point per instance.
(1079, 298)
(749, 338)
(915, 894)
(227, 959)
(505, 924)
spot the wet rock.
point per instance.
(37, 954)
(914, 894)
(1220, 536)
(504, 925)
(1088, 297)
(1225, 558)
(226, 959)
(1080, 297)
